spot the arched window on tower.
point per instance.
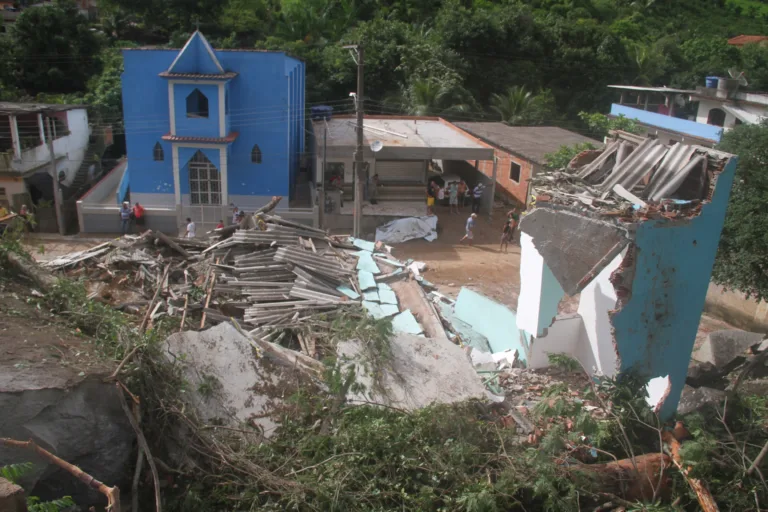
(157, 153)
(256, 154)
(197, 104)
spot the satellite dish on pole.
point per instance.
(377, 146)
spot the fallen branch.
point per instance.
(111, 493)
(41, 277)
(759, 459)
(143, 446)
(706, 500)
(122, 363)
(145, 320)
(170, 243)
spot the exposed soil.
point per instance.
(480, 266)
(37, 349)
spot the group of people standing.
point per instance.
(129, 216)
(458, 195)
(507, 232)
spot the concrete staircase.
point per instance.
(92, 157)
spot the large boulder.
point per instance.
(727, 349)
(420, 371)
(78, 418)
(231, 382)
(694, 399)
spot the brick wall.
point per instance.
(504, 184)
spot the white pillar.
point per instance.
(224, 178)
(176, 179)
(41, 127)
(15, 137)
(493, 185)
(171, 107)
(222, 113)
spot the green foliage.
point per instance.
(35, 505)
(13, 472)
(742, 259)
(564, 362)
(562, 157)
(599, 124)
(54, 50)
(518, 106)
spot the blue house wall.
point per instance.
(263, 96)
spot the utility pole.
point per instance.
(359, 174)
(54, 176)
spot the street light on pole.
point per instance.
(359, 175)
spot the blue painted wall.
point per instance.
(258, 110)
(692, 128)
(656, 330)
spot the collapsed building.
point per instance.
(633, 231)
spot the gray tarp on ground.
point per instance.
(402, 230)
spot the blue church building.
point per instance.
(206, 129)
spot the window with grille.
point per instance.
(256, 154)
(157, 153)
(514, 172)
(204, 181)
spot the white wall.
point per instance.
(703, 113)
(564, 336)
(69, 150)
(540, 293)
(597, 299)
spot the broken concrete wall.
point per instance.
(655, 329)
(540, 293)
(565, 336)
(596, 302)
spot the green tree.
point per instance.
(742, 260)
(599, 124)
(754, 59)
(429, 97)
(54, 50)
(562, 157)
(519, 106)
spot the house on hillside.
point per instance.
(26, 174)
(696, 116)
(205, 129)
(519, 151)
(743, 39)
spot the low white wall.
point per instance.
(562, 337)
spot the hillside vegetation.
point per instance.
(537, 61)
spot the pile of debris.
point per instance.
(274, 275)
(634, 176)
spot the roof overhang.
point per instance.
(201, 140)
(663, 90)
(403, 138)
(222, 77)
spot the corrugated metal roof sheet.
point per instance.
(199, 76)
(674, 160)
(207, 140)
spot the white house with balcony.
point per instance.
(25, 159)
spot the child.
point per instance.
(508, 232)
(469, 229)
(220, 225)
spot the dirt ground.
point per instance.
(481, 267)
(37, 349)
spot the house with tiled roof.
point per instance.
(744, 39)
(209, 128)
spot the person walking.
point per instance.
(453, 197)
(235, 214)
(469, 229)
(190, 232)
(508, 232)
(374, 188)
(125, 217)
(477, 197)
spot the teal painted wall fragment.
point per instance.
(656, 328)
(496, 322)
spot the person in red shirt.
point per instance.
(220, 225)
(138, 214)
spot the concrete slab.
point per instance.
(405, 322)
(574, 247)
(726, 348)
(491, 319)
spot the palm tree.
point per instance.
(429, 97)
(514, 106)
